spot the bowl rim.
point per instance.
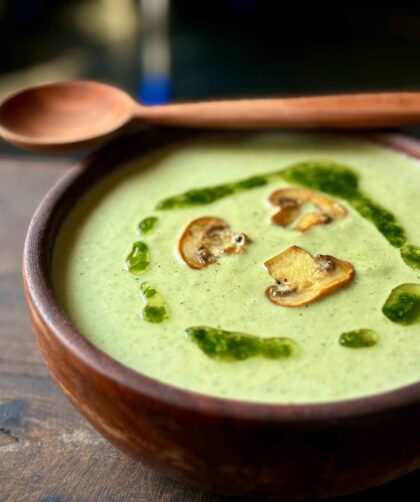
(43, 304)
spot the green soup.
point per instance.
(118, 275)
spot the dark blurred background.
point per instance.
(162, 50)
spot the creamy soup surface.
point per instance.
(104, 301)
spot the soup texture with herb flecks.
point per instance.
(271, 267)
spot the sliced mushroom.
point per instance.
(302, 279)
(290, 202)
(208, 238)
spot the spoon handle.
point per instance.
(340, 111)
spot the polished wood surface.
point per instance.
(70, 115)
(311, 112)
(225, 446)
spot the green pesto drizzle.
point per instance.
(383, 220)
(403, 304)
(155, 309)
(147, 225)
(328, 177)
(411, 255)
(202, 196)
(341, 181)
(359, 339)
(138, 261)
(231, 346)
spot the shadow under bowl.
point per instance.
(224, 446)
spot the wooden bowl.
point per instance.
(225, 446)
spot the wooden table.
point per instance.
(48, 453)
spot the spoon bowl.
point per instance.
(64, 115)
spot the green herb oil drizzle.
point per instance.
(138, 261)
(411, 255)
(231, 346)
(341, 181)
(155, 309)
(359, 339)
(203, 196)
(147, 225)
(403, 304)
(328, 177)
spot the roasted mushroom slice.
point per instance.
(302, 279)
(290, 202)
(208, 238)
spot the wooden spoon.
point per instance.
(69, 115)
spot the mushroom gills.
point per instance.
(302, 279)
(207, 239)
(304, 207)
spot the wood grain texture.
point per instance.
(345, 111)
(48, 452)
(64, 116)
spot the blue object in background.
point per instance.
(154, 90)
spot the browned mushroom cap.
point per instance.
(302, 279)
(208, 238)
(290, 202)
